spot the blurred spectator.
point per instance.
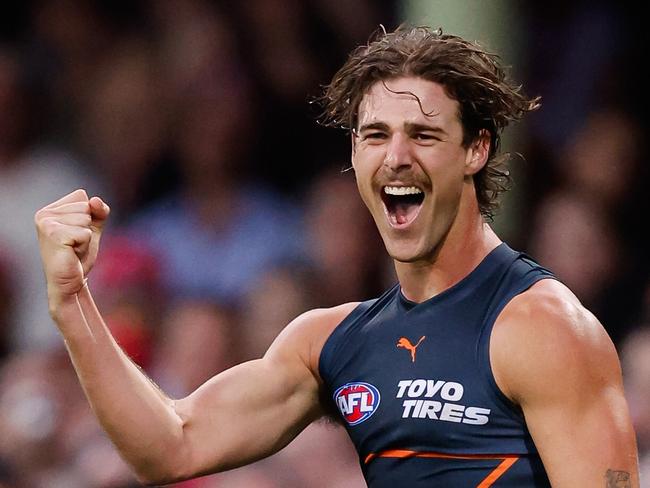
(574, 240)
(195, 343)
(126, 287)
(220, 230)
(30, 416)
(635, 358)
(574, 48)
(6, 305)
(38, 393)
(67, 41)
(586, 139)
(278, 32)
(601, 161)
(293, 47)
(123, 122)
(331, 446)
(276, 298)
(31, 175)
(586, 226)
(342, 243)
(342, 261)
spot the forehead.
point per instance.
(394, 102)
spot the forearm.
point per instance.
(138, 417)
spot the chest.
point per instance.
(416, 381)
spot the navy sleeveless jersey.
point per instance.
(414, 385)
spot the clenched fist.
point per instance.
(68, 234)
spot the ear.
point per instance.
(478, 153)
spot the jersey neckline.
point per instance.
(483, 270)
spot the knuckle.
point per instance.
(50, 228)
(40, 215)
(84, 234)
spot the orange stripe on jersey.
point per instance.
(507, 460)
(403, 453)
(498, 471)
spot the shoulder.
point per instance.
(305, 336)
(545, 341)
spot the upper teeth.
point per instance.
(402, 190)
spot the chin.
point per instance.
(413, 250)
(405, 254)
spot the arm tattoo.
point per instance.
(617, 479)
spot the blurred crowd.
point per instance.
(232, 211)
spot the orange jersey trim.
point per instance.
(507, 461)
(497, 472)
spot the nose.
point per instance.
(398, 153)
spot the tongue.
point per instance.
(403, 212)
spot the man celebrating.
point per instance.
(477, 369)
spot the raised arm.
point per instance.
(240, 415)
(554, 359)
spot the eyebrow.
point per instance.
(374, 126)
(410, 127)
(415, 127)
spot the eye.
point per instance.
(373, 136)
(425, 137)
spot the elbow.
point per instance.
(150, 477)
(173, 467)
(158, 478)
(147, 481)
(166, 473)
(169, 460)
(164, 461)
(162, 470)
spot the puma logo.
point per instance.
(406, 344)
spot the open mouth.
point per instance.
(402, 203)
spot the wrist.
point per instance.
(59, 300)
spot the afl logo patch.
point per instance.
(357, 401)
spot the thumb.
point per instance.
(98, 212)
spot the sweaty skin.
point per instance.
(549, 355)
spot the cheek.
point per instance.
(448, 187)
(365, 188)
(365, 155)
(447, 180)
(444, 165)
(364, 170)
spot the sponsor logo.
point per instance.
(438, 400)
(357, 401)
(404, 343)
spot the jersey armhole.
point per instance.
(483, 353)
(331, 346)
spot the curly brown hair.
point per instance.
(472, 76)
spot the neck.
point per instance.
(467, 243)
